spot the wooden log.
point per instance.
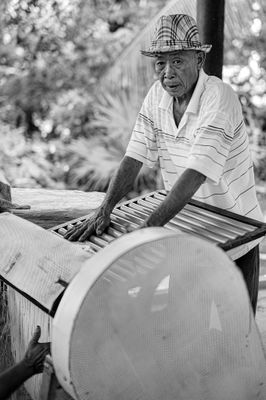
(53, 207)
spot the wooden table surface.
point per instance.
(53, 207)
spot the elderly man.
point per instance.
(193, 124)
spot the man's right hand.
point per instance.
(95, 224)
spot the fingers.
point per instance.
(70, 232)
(76, 232)
(47, 346)
(87, 233)
(43, 350)
(97, 225)
(36, 336)
(40, 356)
(102, 224)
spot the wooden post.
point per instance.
(210, 20)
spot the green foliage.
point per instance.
(71, 84)
(26, 163)
(70, 116)
(33, 37)
(92, 163)
(245, 69)
(56, 48)
(52, 55)
(115, 114)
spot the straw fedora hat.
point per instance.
(175, 32)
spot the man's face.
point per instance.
(178, 71)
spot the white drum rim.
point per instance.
(78, 288)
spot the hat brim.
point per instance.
(153, 52)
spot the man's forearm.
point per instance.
(185, 187)
(13, 378)
(122, 182)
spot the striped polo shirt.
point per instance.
(211, 138)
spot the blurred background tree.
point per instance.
(72, 81)
(245, 69)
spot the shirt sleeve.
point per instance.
(213, 137)
(143, 144)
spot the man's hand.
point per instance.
(36, 353)
(96, 224)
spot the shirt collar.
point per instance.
(166, 102)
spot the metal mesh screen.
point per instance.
(168, 319)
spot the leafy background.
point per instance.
(72, 81)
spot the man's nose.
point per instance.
(168, 70)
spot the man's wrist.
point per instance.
(106, 209)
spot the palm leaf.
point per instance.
(116, 114)
(92, 164)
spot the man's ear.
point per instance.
(201, 58)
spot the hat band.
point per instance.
(182, 43)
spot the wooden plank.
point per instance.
(53, 207)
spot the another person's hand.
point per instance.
(31, 364)
(97, 223)
(36, 353)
